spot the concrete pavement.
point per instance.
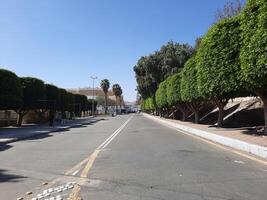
(149, 161)
(13, 134)
(237, 139)
(129, 157)
(26, 164)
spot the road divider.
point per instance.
(75, 193)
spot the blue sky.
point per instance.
(64, 42)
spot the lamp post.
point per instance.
(93, 102)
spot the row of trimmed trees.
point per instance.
(23, 94)
(229, 61)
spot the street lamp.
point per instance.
(93, 106)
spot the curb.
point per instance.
(39, 134)
(226, 141)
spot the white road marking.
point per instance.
(76, 172)
(110, 138)
(239, 162)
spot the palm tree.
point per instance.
(116, 88)
(105, 86)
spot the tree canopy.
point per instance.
(254, 42)
(116, 88)
(151, 70)
(161, 95)
(33, 91)
(105, 85)
(218, 61)
(189, 88)
(10, 90)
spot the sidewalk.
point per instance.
(13, 134)
(241, 139)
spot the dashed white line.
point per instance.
(76, 172)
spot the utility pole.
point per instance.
(93, 103)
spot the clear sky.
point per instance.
(64, 42)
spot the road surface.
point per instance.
(128, 157)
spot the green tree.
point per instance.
(148, 104)
(33, 91)
(101, 101)
(116, 88)
(174, 94)
(253, 53)
(148, 75)
(70, 102)
(81, 104)
(90, 104)
(151, 70)
(161, 97)
(10, 90)
(53, 101)
(218, 64)
(105, 87)
(63, 100)
(189, 88)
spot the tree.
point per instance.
(33, 91)
(81, 104)
(173, 56)
(116, 88)
(90, 104)
(189, 88)
(151, 70)
(53, 101)
(148, 75)
(70, 102)
(101, 101)
(253, 53)
(161, 97)
(218, 64)
(230, 9)
(148, 104)
(10, 90)
(105, 86)
(174, 97)
(63, 103)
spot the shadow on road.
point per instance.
(32, 132)
(4, 146)
(6, 177)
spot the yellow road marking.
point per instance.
(74, 195)
(76, 167)
(90, 163)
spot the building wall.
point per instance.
(8, 117)
(89, 92)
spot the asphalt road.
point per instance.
(129, 157)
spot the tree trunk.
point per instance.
(195, 108)
(106, 103)
(183, 115)
(116, 104)
(182, 108)
(20, 118)
(265, 113)
(196, 113)
(220, 117)
(173, 112)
